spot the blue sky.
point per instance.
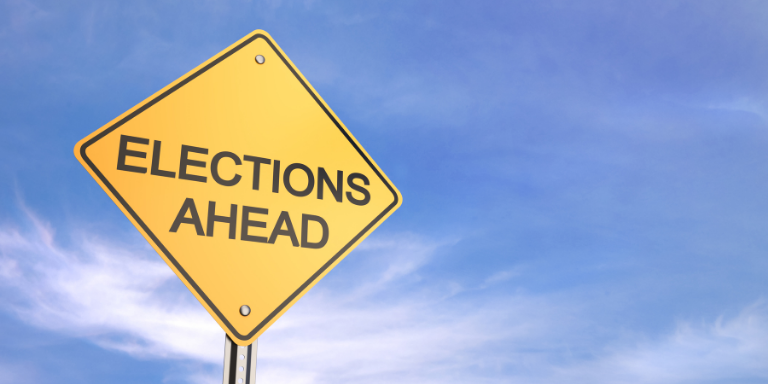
(585, 192)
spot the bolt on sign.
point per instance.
(244, 181)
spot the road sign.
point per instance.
(244, 181)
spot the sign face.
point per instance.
(243, 180)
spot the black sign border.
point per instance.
(168, 254)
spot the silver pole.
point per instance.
(239, 362)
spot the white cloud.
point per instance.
(723, 350)
(386, 320)
(113, 297)
(502, 276)
(745, 105)
(416, 339)
(10, 374)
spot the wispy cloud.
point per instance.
(746, 105)
(10, 374)
(383, 322)
(724, 350)
(115, 298)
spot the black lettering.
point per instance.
(186, 162)
(279, 231)
(215, 169)
(247, 223)
(351, 182)
(189, 205)
(231, 219)
(310, 179)
(305, 219)
(336, 190)
(123, 152)
(156, 162)
(257, 162)
(276, 176)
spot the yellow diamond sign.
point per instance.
(244, 181)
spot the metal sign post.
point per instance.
(239, 362)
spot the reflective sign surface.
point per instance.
(243, 180)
